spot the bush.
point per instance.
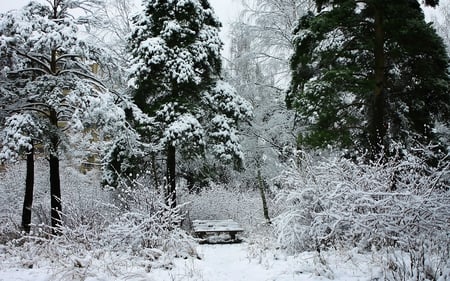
(336, 201)
(94, 229)
(424, 259)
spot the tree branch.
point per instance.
(45, 67)
(78, 73)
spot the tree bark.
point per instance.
(263, 197)
(55, 184)
(55, 193)
(171, 174)
(155, 170)
(377, 127)
(29, 187)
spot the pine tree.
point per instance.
(176, 58)
(53, 92)
(368, 74)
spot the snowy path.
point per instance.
(241, 262)
(233, 263)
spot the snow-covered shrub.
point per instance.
(150, 234)
(12, 188)
(7, 216)
(94, 230)
(425, 259)
(147, 227)
(337, 201)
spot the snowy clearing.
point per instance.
(217, 262)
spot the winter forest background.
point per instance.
(324, 130)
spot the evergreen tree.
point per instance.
(176, 72)
(52, 92)
(368, 74)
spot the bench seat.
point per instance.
(204, 228)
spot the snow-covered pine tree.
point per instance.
(55, 92)
(176, 73)
(368, 75)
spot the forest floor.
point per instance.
(229, 262)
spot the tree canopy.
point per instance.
(367, 75)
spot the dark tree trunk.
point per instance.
(377, 127)
(171, 174)
(55, 184)
(55, 193)
(263, 197)
(29, 186)
(155, 170)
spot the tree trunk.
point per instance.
(55, 193)
(155, 170)
(377, 127)
(55, 184)
(29, 186)
(263, 197)
(171, 174)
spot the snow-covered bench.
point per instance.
(217, 231)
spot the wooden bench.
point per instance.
(207, 229)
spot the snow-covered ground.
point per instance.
(233, 262)
(240, 262)
(91, 250)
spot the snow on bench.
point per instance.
(211, 229)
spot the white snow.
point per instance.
(236, 262)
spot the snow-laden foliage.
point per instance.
(335, 201)
(176, 75)
(185, 129)
(19, 130)
(65, 65)
(240, 204)
(150, 233)
(95, 230)
(84, 252)
(225, 109)
(440, 18)
(186, 45)
(51, 71)
(268, 26)
(153, 239)
(254, 70)
(59, 79)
